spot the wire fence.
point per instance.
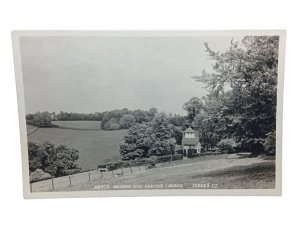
(66, 182)
(115, 169)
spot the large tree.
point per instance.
(154, 138)
(244, 80)
(55, 160)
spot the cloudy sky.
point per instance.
(96, 74)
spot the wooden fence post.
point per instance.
(52, 183)
(112, 172)
(101, 174)
(122, 171)
(30, 186)
(70, 180)
(89, 176)
(130, 169)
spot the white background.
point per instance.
(151, 211)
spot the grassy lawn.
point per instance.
(258, 175)
(228, 172)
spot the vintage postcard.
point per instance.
(143, 113)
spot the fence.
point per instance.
(66, 182)
(116, 169)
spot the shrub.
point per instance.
(114, 126)
(193, 155)
(227, 145)
(179, 151)
(165, 158)
(270, 143)
(253, 145)
(114, 165)
(39, 175)
(138, 162)
(177, 157)
(153, 160)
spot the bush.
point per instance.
(177, 157)
(153, 160)
(166, 158)
(270, 143)
(114, 165)
(179, 152)
(227, 145)
(193, 155)
(39, 175)
(253, 145)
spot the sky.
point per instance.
(96, 74)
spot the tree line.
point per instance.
(110, 120)
(43, 119)
(124, 118)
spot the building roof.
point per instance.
(190, 141)
(189, 129)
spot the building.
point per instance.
(190, 143)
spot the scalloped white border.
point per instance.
(163, 192)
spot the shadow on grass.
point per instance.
(254, 176)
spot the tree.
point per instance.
(137, 142)
(155, 138)
(54, 160)
(39, 119)
(227, 145)
(244, 78)
(270, 142)
(37, 156)
(152, 112)
(193, 107)
(127, 120)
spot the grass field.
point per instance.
(205, 172)
(229, 172)
(94, 145)
(31, 129)
(85, 125)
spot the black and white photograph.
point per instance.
(150, 113)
